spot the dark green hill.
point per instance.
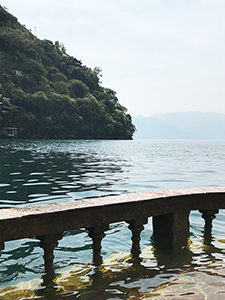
(46, 93)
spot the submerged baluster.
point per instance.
(171, 231)
(208, 216)
(136, 226)
(48, 243)
(2, 247)
(97, 234)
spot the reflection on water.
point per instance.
(31, 176)
(43, 171)
(197, 272)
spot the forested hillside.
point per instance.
(46, 93)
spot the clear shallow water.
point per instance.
(44, 171)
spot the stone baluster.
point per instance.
(48, 243)
(136, 226)
(208, 216)
(2, 247)
(171, 231)
(97, 234)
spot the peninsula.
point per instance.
(46, 93)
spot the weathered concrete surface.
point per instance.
(171, 231)
(39, 220)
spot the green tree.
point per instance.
(77, 88)
(61, 87)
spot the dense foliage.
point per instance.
(46, 93)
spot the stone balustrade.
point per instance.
(170, 211)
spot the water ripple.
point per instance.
(42, 171)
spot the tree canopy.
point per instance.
(46, 93)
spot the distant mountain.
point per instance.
(182, 125)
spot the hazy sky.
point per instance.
(158, 55)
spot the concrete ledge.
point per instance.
(39, 220)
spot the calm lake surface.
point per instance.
(45, 171)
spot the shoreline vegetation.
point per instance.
(46, 93)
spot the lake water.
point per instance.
(44, 171)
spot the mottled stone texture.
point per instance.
(136, 226)
(171, 231)
(208, 216)
(48, 244)
(97, 234)
(1, 246)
